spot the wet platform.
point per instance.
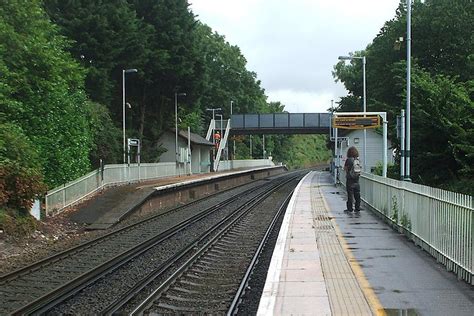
(329, 262)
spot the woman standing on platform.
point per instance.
(353, 168)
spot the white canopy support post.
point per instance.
(189, 151)
(336, 157)
(385, 123)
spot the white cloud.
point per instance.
(304, 101)
(293, 45)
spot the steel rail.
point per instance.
(248, 274)
(34, 266)
(244, 209)
(61, 293)
(127, 297)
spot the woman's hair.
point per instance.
(352, 152)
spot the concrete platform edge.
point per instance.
(268, 298)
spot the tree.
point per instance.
(43, 90)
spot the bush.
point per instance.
(19, 186)
(16, 226)
(21, 180)
(392, 170)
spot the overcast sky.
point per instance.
(292, 45)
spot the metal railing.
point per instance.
(239, 164)
(439, 221)
(70, 193)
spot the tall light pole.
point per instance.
(407, 118)
(364, 101)
(176, 95)
(124, 71)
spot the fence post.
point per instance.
(101, 171)
(472, 243)
(64, 194)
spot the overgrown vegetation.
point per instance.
(20, 180)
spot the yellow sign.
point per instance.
(356, 121)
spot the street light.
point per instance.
(176, 95)
(124, 71)
(364, 101)
(407, 135)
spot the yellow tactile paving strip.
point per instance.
(312, 271)
(345, 295)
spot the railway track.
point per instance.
(50, 282)
(226, 249)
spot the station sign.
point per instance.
(133, 142)
(356, 121)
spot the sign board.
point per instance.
(356, 121)
(133, 142)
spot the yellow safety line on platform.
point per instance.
(364, 284)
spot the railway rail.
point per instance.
(49, 283)
(214, 276)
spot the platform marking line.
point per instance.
(267, 302)
(363, 283)
(345, 295)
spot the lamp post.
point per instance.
(364, 100)
(124, 71)
(176, 95)
(407, 118)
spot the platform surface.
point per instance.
(329, 262)
(114, 203)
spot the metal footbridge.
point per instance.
(272, 123)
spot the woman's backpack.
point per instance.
(356, 169)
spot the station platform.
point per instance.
(329, 262)
(115, 203)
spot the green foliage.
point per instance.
(392, 170)
(405, 222)
(442, 108)
(301, 151)
(20, 177)
(172, 51)
(106, 138)
(42, 90)
(394, 209)
(16, 226)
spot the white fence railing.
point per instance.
(439, 221)
(74, 191)
(249, 163)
